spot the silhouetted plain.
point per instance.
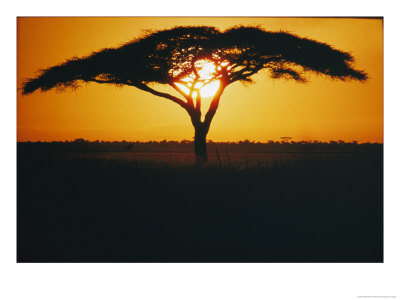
(320, 202)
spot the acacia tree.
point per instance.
(190, 58)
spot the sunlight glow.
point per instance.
(206, 85)
(206, 91)
(210, 89)
(205, 68)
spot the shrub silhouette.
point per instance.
(177, 57)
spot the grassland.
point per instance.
(97, 202)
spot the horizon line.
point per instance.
(208, 141)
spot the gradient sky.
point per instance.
(321, 109)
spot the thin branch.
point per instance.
(245, 73)
(179, 90)
(198, 103)
(192, 88)
(214, 105)
(145, 88)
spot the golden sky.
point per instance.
(321, 109)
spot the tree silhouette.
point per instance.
(190, 58)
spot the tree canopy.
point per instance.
(168, 56)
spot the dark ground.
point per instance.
(78, 203)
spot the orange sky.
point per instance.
(321, 109)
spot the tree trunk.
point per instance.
(200, 145)
(201, 128)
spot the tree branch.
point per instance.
(198, 102)
(188, 98)
(245, 73)
(214, 105)
(145, 88)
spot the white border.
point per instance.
(198, 281)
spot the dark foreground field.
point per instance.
(285, 205)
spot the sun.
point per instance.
(207, 90)
(210, 89)
(206, 85)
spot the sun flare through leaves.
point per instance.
(203, 80)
